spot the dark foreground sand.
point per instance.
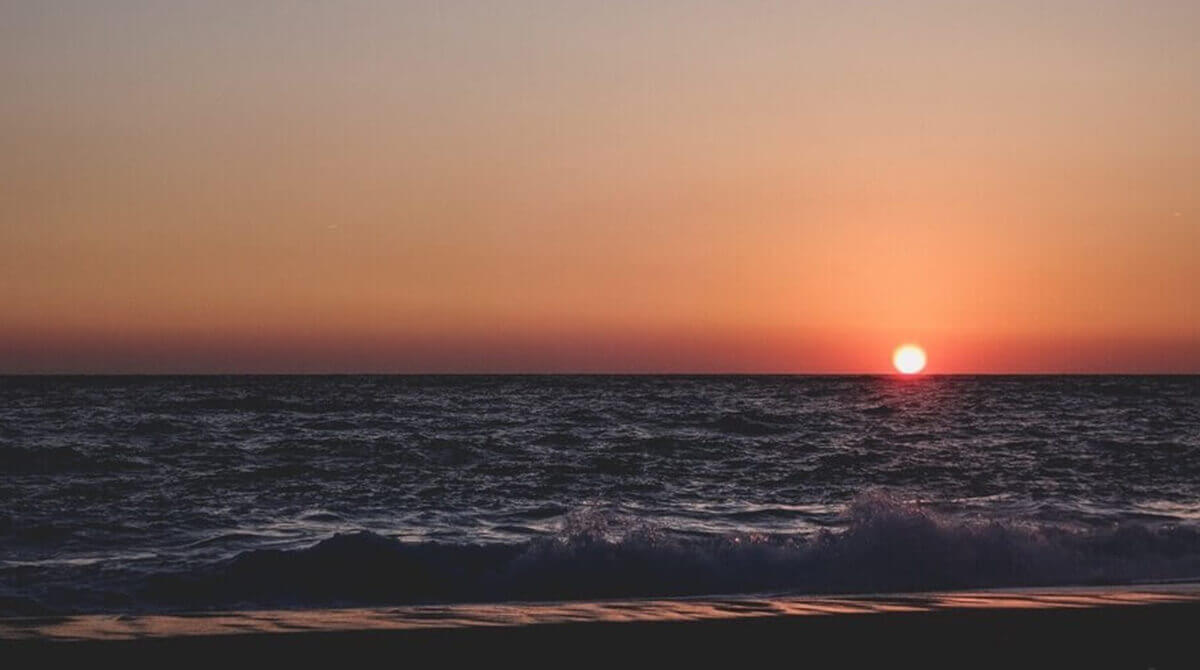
(1141, 627)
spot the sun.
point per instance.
(909, 359)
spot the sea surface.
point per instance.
(143, 494)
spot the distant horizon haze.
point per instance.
(584, 354)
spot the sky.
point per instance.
(601, 186)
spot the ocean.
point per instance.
(158, 494)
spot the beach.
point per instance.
(1143, 626)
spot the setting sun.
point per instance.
(909, 359)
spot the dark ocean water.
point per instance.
(157, 493)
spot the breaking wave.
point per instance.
(887, 546)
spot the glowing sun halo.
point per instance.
(909, 359)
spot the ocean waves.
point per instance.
(884, 545)
(297, 491)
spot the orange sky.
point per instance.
(599, 186)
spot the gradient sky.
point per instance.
(599, 186)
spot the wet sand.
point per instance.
(1145, 626)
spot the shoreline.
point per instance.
(1129, 626)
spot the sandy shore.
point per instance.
(1146, 626)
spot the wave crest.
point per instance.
(888, 545)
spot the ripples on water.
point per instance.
(167, 493)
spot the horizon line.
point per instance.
(604, 374)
